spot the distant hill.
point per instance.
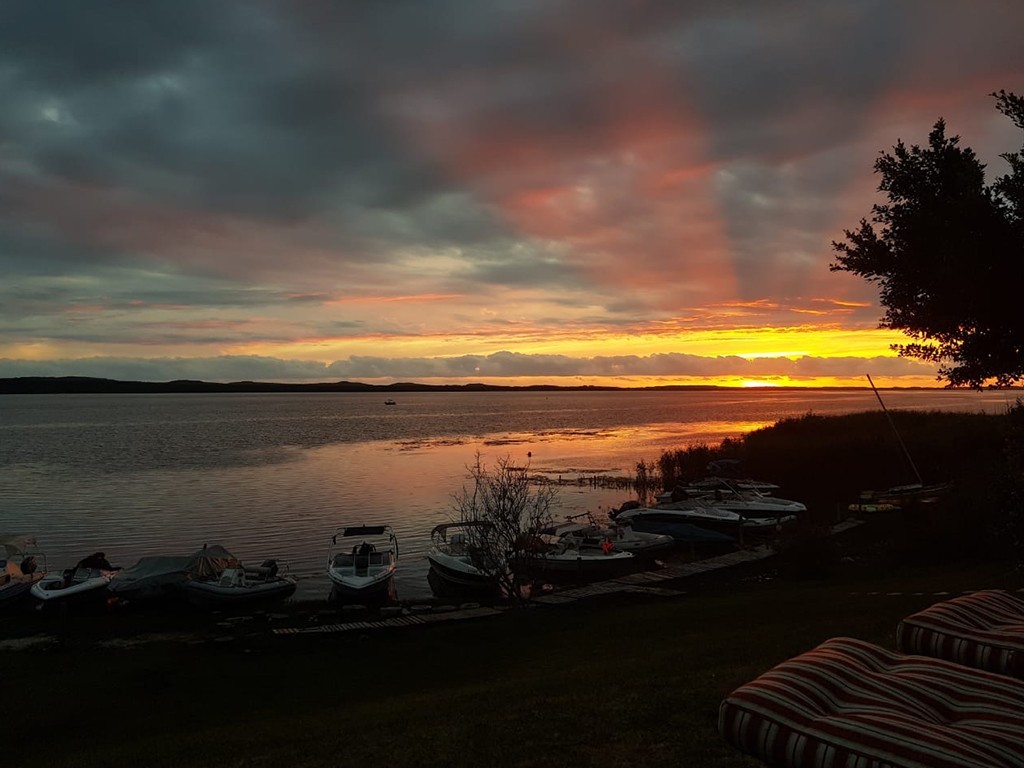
(29, 385)
(53, 385)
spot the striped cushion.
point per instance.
(852, 704)
(983, 630)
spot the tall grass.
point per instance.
(826, 462)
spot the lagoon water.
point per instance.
(272, 475)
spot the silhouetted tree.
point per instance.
(516, 508)
(947, 252)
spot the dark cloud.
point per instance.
(234, 160)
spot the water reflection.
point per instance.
(271, 476)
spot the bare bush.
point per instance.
(516, 508)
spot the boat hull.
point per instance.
(710, 517)
(205, 594)
(18, 589)
(686, 533)
(53, 588)
(349, 587)
(582, 567)
(458, 572)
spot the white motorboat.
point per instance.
(86, 581)
(682, 532)
(621, 537)
(708, 485)
(725, 495)
(73, 585)
(707, 513)
(19, 567)
(556, 557)
(217, 579)
(361, 561)
(459, 554)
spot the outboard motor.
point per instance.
(271, 568)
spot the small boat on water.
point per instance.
(556, 558)
(361, 561)
(900, 497)
(76, 585)
(241, 587)
(622, 537)
(707, 514)
(86, 582)
(157, 577)
(459, 554)
(707, 486)
(219, 580)
(725, 495)
(681, 532)
(19, 568)
(389, 401)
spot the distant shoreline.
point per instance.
(54, 385)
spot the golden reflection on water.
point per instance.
(277, 499)
(287, 501)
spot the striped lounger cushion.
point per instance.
(984, 630)
(851, 704)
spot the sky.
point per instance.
(535, 192)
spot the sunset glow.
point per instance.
(531, 194)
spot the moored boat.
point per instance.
(362, 560)
(19, 568)
(86, 582)
(459, 554)
(899, 497)
(217, 579)
(152, 578)
(707, 514)
(748, 503)
(681, 532)
(707, 486)
(556, 558)
(622, 537)
(75, 585)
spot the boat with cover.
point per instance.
(361, 561)
(217, 579)
(460, 554)
(19, 567)
(155, 578)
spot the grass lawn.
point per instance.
(625, 680)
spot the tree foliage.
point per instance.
(515, 507)
(947, 252)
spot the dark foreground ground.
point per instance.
(619, 680)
